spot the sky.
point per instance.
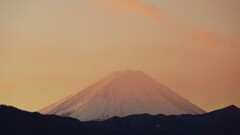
(50, 49)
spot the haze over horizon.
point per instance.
(50, 49)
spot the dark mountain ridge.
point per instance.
(14, 121)
(224, 121)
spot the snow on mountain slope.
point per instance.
(120, 94)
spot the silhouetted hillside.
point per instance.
(221, 122)
(17, 122)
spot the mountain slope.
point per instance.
(225, 121)
(17, 122)
(120, 94)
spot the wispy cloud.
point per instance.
(209, 37)
(131, 6)
(214, 38)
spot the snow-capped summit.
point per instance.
(122, 93)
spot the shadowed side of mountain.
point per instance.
(224, 121)
(18, 122)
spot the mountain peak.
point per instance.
(124, 78)
(127, 72)
(120, 94)
(7, 107)
(232, 108)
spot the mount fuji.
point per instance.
(120, 94)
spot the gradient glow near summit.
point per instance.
(52, 48)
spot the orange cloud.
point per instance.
(207, 37)
(7, 85)
(131, 6)
(213, 38)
